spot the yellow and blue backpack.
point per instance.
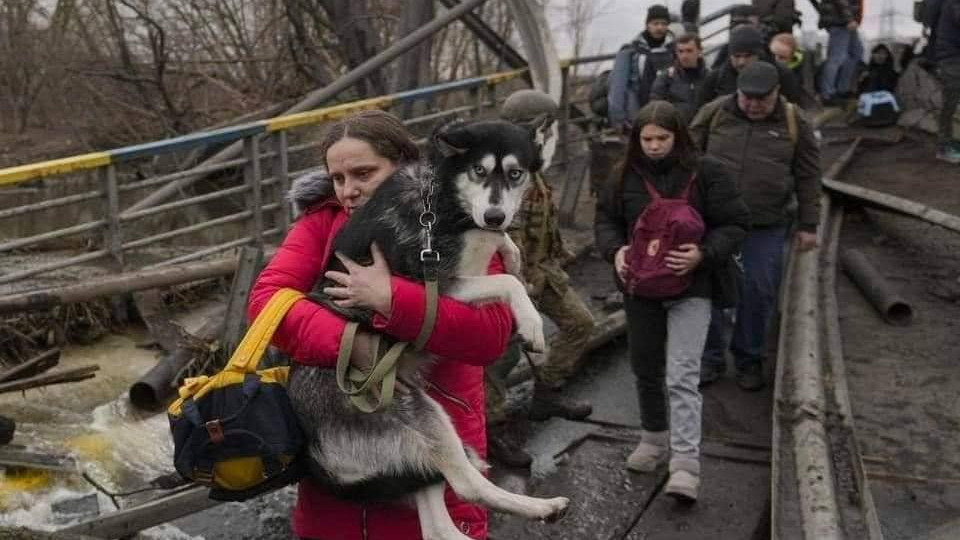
(236, 431)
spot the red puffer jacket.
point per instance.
(468, 337)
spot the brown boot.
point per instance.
(503, 449)
(550, 402)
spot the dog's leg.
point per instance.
(435, 522)
(509, 289)
(512, 258)
(451, 460)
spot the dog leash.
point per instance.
(362, 387)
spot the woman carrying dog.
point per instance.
(360, 152)
(668, 314)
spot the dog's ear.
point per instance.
(452, 142)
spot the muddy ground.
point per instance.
(904, 381)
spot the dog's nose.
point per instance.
(494, 217)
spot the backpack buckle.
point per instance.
(215, 430)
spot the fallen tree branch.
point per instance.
(47, 379)
(34, 366)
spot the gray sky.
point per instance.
(619, 20)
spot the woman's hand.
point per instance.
(620, 262)
(683, 259)
(363, 286)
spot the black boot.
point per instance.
(550, 402)
(503, 449)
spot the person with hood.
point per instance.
(746, 47)
(943, 19)
(679, 83)
(636, 66)
(880, 75)
(841, 19)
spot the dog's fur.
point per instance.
(412, 446)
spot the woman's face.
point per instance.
(656, 142)
(879, 56)
(357, 171)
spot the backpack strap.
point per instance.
(654, 194)
(689, 189)
(792, 128)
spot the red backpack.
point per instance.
(664, 225)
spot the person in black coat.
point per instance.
(880, 75)
(666, 336)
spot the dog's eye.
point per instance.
(516, 174)
(479, 170)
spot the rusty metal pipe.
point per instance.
(892, 306)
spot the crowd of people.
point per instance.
(720, 171)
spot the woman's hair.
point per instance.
(664, 115)
(381, 130)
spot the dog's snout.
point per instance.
(494, 217)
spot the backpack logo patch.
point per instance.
(653, 247)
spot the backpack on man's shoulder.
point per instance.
(598, 94)
(793, 128)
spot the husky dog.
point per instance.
(478, 172)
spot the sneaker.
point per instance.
(949, 152)
(750, 378)
(651, 452)
(504, 450)
(550, 402)
(710, 372)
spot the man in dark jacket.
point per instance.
(740, 15)
(680, 82)
(841, 19)
(636, 67)
(771, 150)
(776, 16)
(943, 19)
(746, 47)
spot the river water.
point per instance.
(118, 446)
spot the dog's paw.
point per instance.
(558, 507)
(530, 329)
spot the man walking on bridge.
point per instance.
(771, 150)
(537, 234)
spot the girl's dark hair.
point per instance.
(664, 115)
(381, 130)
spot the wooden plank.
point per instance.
(19, 456)
(249, 261)
(124, 523)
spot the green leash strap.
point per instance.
(430, 316)
(358, 385)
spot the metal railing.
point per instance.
(261, 213)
